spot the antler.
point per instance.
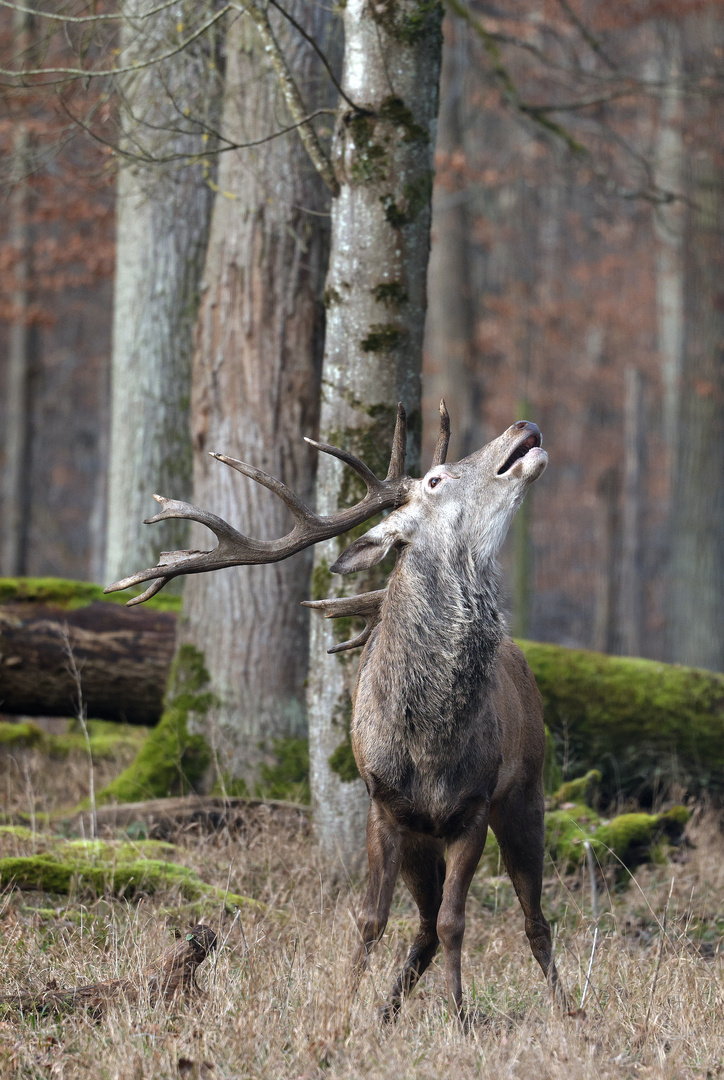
(235, 549)
(367, 606)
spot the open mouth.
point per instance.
(529, 443)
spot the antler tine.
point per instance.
(366, 473)
(301, 512)
(367, 606)
(443, 438)
(399, 446)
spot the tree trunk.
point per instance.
(375, 297)
(163, 215)
(255, 393)
(631, 600)
(450, 323)
(15, 504)
(696, 624)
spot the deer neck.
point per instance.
(442, 613)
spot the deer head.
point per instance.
(474, 499)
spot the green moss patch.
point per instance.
(107, 740)
(288, 777)
(67, 594)
(172, 761)
(626, 840)
(110, 869)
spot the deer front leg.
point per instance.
(463, 856)
(384, 848)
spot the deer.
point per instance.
(447, 724)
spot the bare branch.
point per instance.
(292, 97)
(55, 17)
(89, 73)
(308, 38)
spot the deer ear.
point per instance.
(365, 552)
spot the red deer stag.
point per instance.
(447, 727)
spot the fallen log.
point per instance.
(161, 819)
(174, 972)
(122, 657)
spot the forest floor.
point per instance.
(276, 1006)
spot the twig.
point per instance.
(662, 939)
(74, 673)
(590, 968)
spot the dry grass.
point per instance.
(276, 991)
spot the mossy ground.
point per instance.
(108, 741)
(64, 593)
(120, 869)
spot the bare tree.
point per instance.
(163, 215)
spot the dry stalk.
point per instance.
(171, 973)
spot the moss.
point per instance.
(107, 740)
(582, 790)
(288, 777)
(60, 874)
(370, 159)
(643, 724)
(408, 22)
(25, 735)
(67, 594)
(394, 110)
(321, 580)
(552, 775)
(331, 297)
(18, 832)
(390, 293)
(341, 760)
(382, 337)
(172, 761)
(416, 196)
(626, 840)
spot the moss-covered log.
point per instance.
(646, 726)
(122, 655)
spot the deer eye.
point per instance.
(434, 481)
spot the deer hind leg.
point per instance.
(383, 851)
(423, 870)
(463, 856)
(519, 826)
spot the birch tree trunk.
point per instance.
(163, 215)
(375, 297)
(255, 393)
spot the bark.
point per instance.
(375, 297)
(163, 220)
(14, 528)
(123, 658)
(450, 323)
(696, 623)
(255, 394)
(631, 601)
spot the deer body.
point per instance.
(447, 725)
